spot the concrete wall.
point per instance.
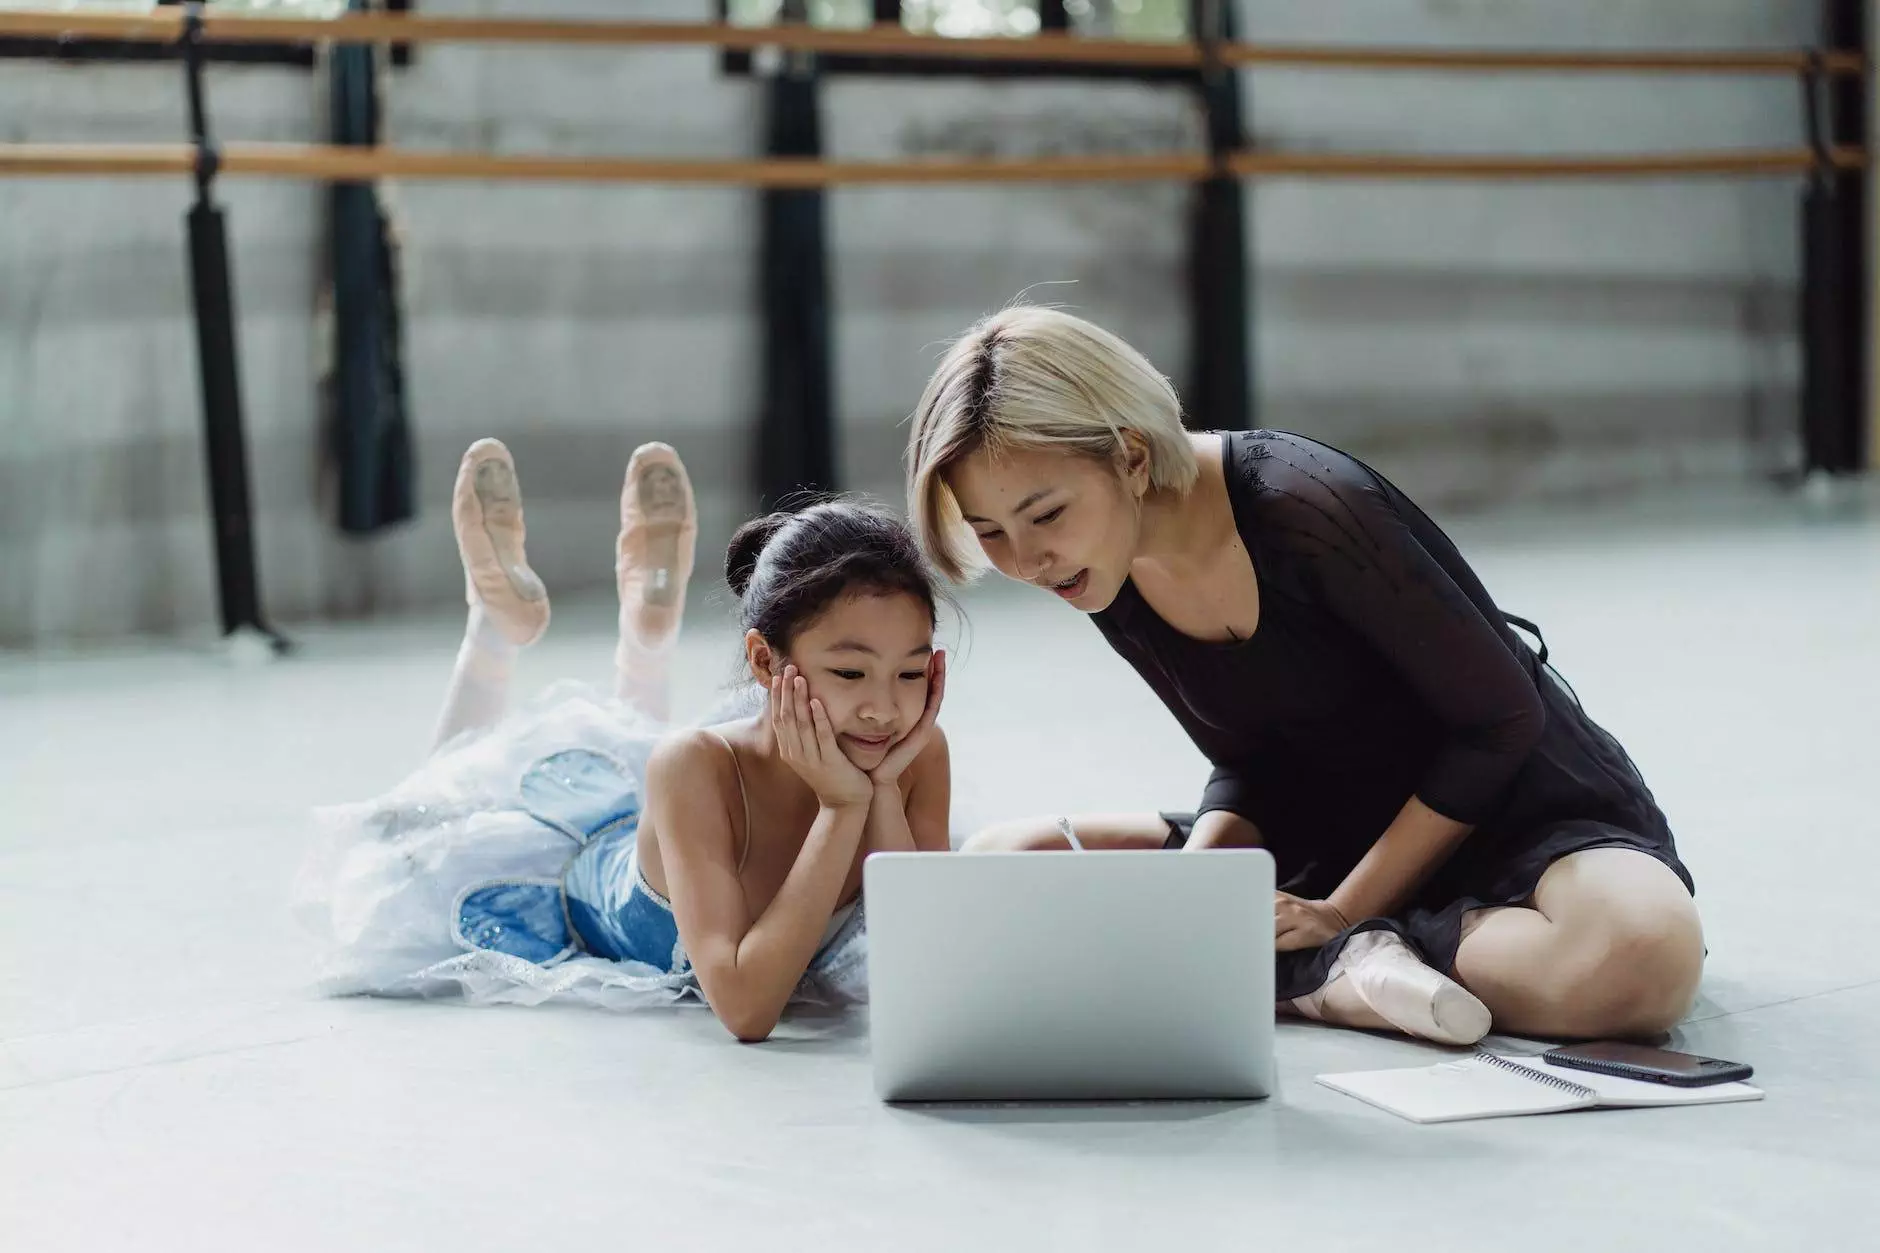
(102, 512)
(912, 267)
(1496, 341)
(574, 322)
(1479, 341)
(1484, 342)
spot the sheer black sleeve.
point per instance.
(1372, 561)
(1229, 788)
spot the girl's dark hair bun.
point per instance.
(747, 546)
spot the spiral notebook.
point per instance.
(1490, 1085)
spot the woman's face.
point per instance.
(1062, 521)
(866, 659)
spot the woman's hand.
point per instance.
(807, 742)
(1299, 923)
(909, 746)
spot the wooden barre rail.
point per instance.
(348, 164)
(1359, 165)
(886, 40)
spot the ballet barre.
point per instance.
(193, 27)
(167, 25)
(340, 163)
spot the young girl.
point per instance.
(1430, 790)
(572, 850)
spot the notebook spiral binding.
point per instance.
(1539, 1076)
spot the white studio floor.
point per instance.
(168, 1082)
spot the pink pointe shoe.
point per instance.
(486, 512)
(1413, 997)
(653, 557)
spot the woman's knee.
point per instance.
(1632, 972)
(1628, 949)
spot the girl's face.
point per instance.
(1061, 521)
(867, 658)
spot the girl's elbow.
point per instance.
(747, 1026)
(746, 1016)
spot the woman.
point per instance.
(519, 862)
(1428, 788)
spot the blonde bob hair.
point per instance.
(1034, 378)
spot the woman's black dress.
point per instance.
(1381, 669)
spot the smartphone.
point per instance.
(1640, 1061)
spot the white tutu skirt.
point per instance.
(384, 886)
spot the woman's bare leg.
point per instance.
(1101, 831)
(1611, 946)
(508, 604)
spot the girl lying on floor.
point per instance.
(581, 848)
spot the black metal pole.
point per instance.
(366, 419)
(1218, 280)
(1828, 404)
(1834, 306)
(796, 449)
(213, 294)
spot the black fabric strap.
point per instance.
(1531, 629)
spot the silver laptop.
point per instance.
(1071, 975)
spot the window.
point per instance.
(832, 14)
(978, 19)
(284, 53)
(972, 19)
(1109, 19)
